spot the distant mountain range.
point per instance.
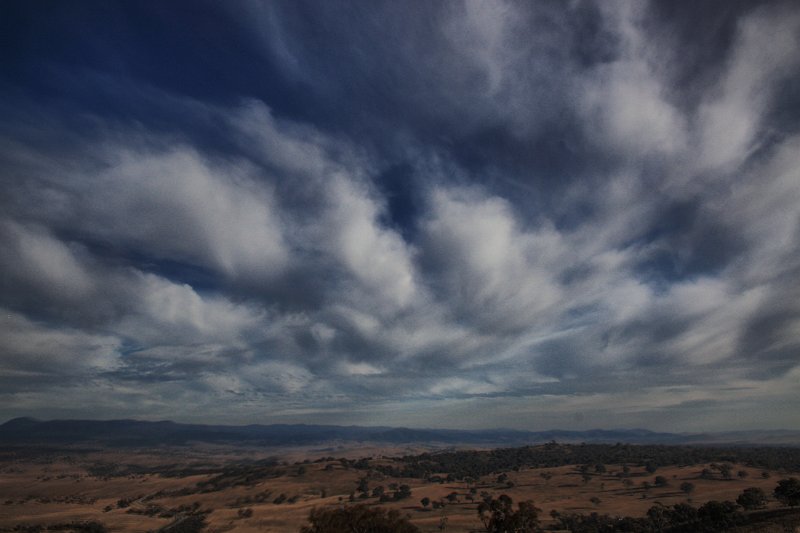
(137, 433)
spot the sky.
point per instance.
(453, 214)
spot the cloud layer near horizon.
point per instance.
(471, 214)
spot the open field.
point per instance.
(251, 490)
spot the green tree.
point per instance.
(788, 491)
(403, 492)
(752, 498)
(357, 519)
(499, 516)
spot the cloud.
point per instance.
(489, 270)
(35, 353)
(502, 213)
(762, 57)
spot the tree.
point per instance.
(425, 501)
(687, 487)
(403, 492)
(788, 491)
(752, 498)
(718, 516)
(658, 516)
(499, 516)
(357, 519)
(660, 481)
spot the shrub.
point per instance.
(357, 518)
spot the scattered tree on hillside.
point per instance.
(687, 487)
(402, 492)
(498, 516)
(721, 514)
(788, 491)
(752, 498)
(356, 519)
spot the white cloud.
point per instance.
(625, 103)
(359, 369)
(187, 209)
(731, 119)
(376, 257)
(490, 269)
(626, 111)
(164, 312)
(29, 349)
(31, 256)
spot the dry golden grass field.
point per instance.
(146, 490)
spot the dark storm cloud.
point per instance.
(500, 213)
